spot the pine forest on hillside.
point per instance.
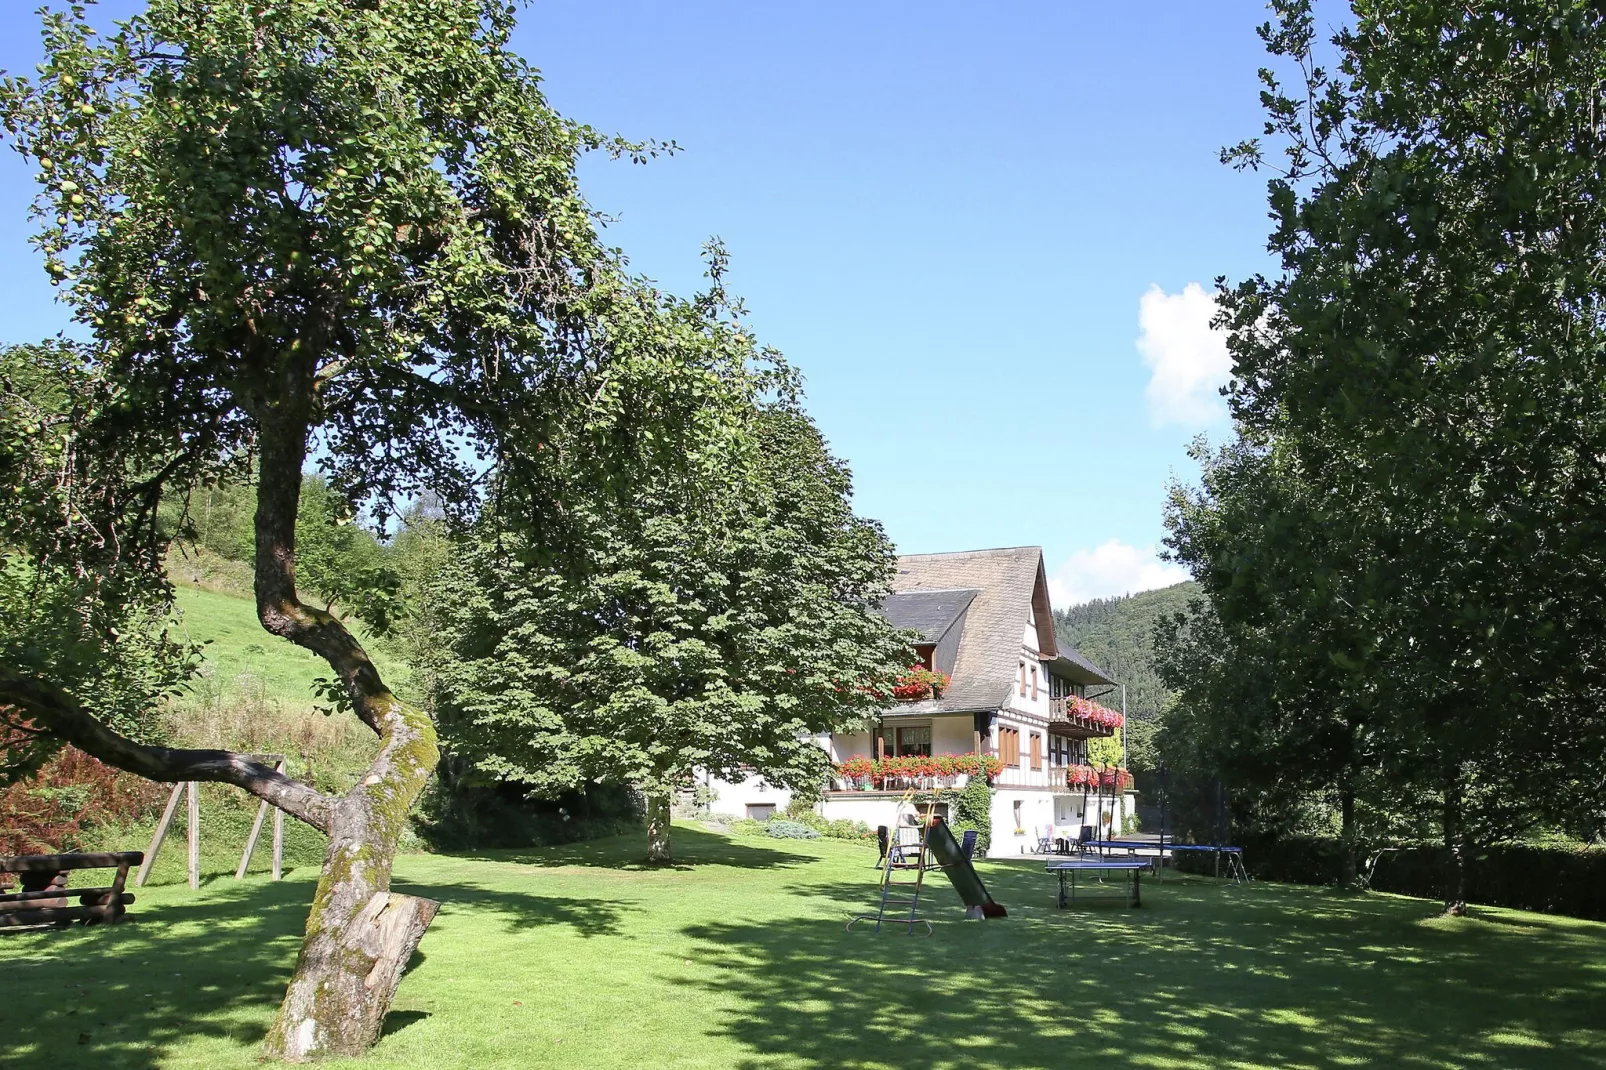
(1117, 635)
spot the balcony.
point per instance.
(922, 772)
(1094, 778)
(1081, 718)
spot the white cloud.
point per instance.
(1110, 569)
(1188, 359)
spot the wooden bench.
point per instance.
(43, 899)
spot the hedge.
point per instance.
(1550, 880)
(1546, 879)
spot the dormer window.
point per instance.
(924, 653)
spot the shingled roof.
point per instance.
(931, 613)
(1008, 584)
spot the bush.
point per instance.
(807, 817)
(1550, 880)
(854, 831)
(1546, 879)
(461, 810)
(973, 809)
(746, 826)
(782, 829)
(64, 806)
(1287, 859)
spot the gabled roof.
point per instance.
(1007, 583)
(1074, 666)
(931, 613)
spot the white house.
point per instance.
(1014, 693)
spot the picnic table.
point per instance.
(44, 897)
(1129, 869)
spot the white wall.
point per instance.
(731, 799)
(847, 745)
(954, 734)
(873, 808)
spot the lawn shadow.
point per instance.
(588, 917)
(1202, 975)
(212, 965)
(121, 995)
(692, 848)
(396, 1021)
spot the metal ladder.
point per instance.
(892, 889)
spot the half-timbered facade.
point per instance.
(1014, 693)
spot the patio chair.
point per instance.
(1045, 840)
(905, 845)
(1083, 838)
(967, 846)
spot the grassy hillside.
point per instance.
(245, 662)
(254, 693)
(1118, 635)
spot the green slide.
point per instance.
(945, 849)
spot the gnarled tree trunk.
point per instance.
(359, 936)
(658, 849)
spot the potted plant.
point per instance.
(919, 683)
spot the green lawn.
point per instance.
(241, 656)
(575, 957)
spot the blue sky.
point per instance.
(973, 227)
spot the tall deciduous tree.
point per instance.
(1431, 357)
(719, 627)
(341, 226)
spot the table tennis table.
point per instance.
(1130, 869)
(1233, 855)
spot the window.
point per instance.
(1037, 751)
(907, 740)
(1009, 746)
(760, 811)
(1023, 679)
(1034, 683)
(924, 653)
(914, 741)
(1018, 823)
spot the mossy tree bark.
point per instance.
(659, 852)
(358, 935)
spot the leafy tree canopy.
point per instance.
(718, 628)
(345, 230)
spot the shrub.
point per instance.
(62, 807)
(746, 826)
(845, 829)
(807, 817)
(973, 809)
(461, 810)
(782, 829)
(1546, 879)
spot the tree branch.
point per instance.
(60, 715)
